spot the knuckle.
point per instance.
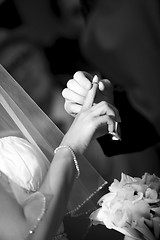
(70, 83)
(104, 103)
(68, 107)
(64, 92)
(76, 74)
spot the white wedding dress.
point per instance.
(22, 170)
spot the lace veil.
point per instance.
(20, 115)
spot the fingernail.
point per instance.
(95, 79)
(115, 136)
(114, 133)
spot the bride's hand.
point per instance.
(91, 122)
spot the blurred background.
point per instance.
(40, 46)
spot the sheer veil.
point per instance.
(20, 116)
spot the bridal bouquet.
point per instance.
(132, 207)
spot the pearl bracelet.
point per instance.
(73, 155)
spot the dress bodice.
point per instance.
(22, 162)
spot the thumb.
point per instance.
(106, 89)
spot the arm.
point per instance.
(16, 224)
(58, 181)
(11, 218)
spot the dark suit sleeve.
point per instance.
(137, 133)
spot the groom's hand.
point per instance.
(77, 90)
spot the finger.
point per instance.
(101, 112)
(111, 116)
(73, 85)
(72, 108)
(114, 130)
(72, 96)
(112, 126)
(103, 120)
(84, 79)
(105, 84)
(105, 108)
(113, 112)
(108, 109)
(88, 102)
(106, 89)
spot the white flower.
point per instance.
(132, 207)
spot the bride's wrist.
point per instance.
(73, 155)
(75, 144)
